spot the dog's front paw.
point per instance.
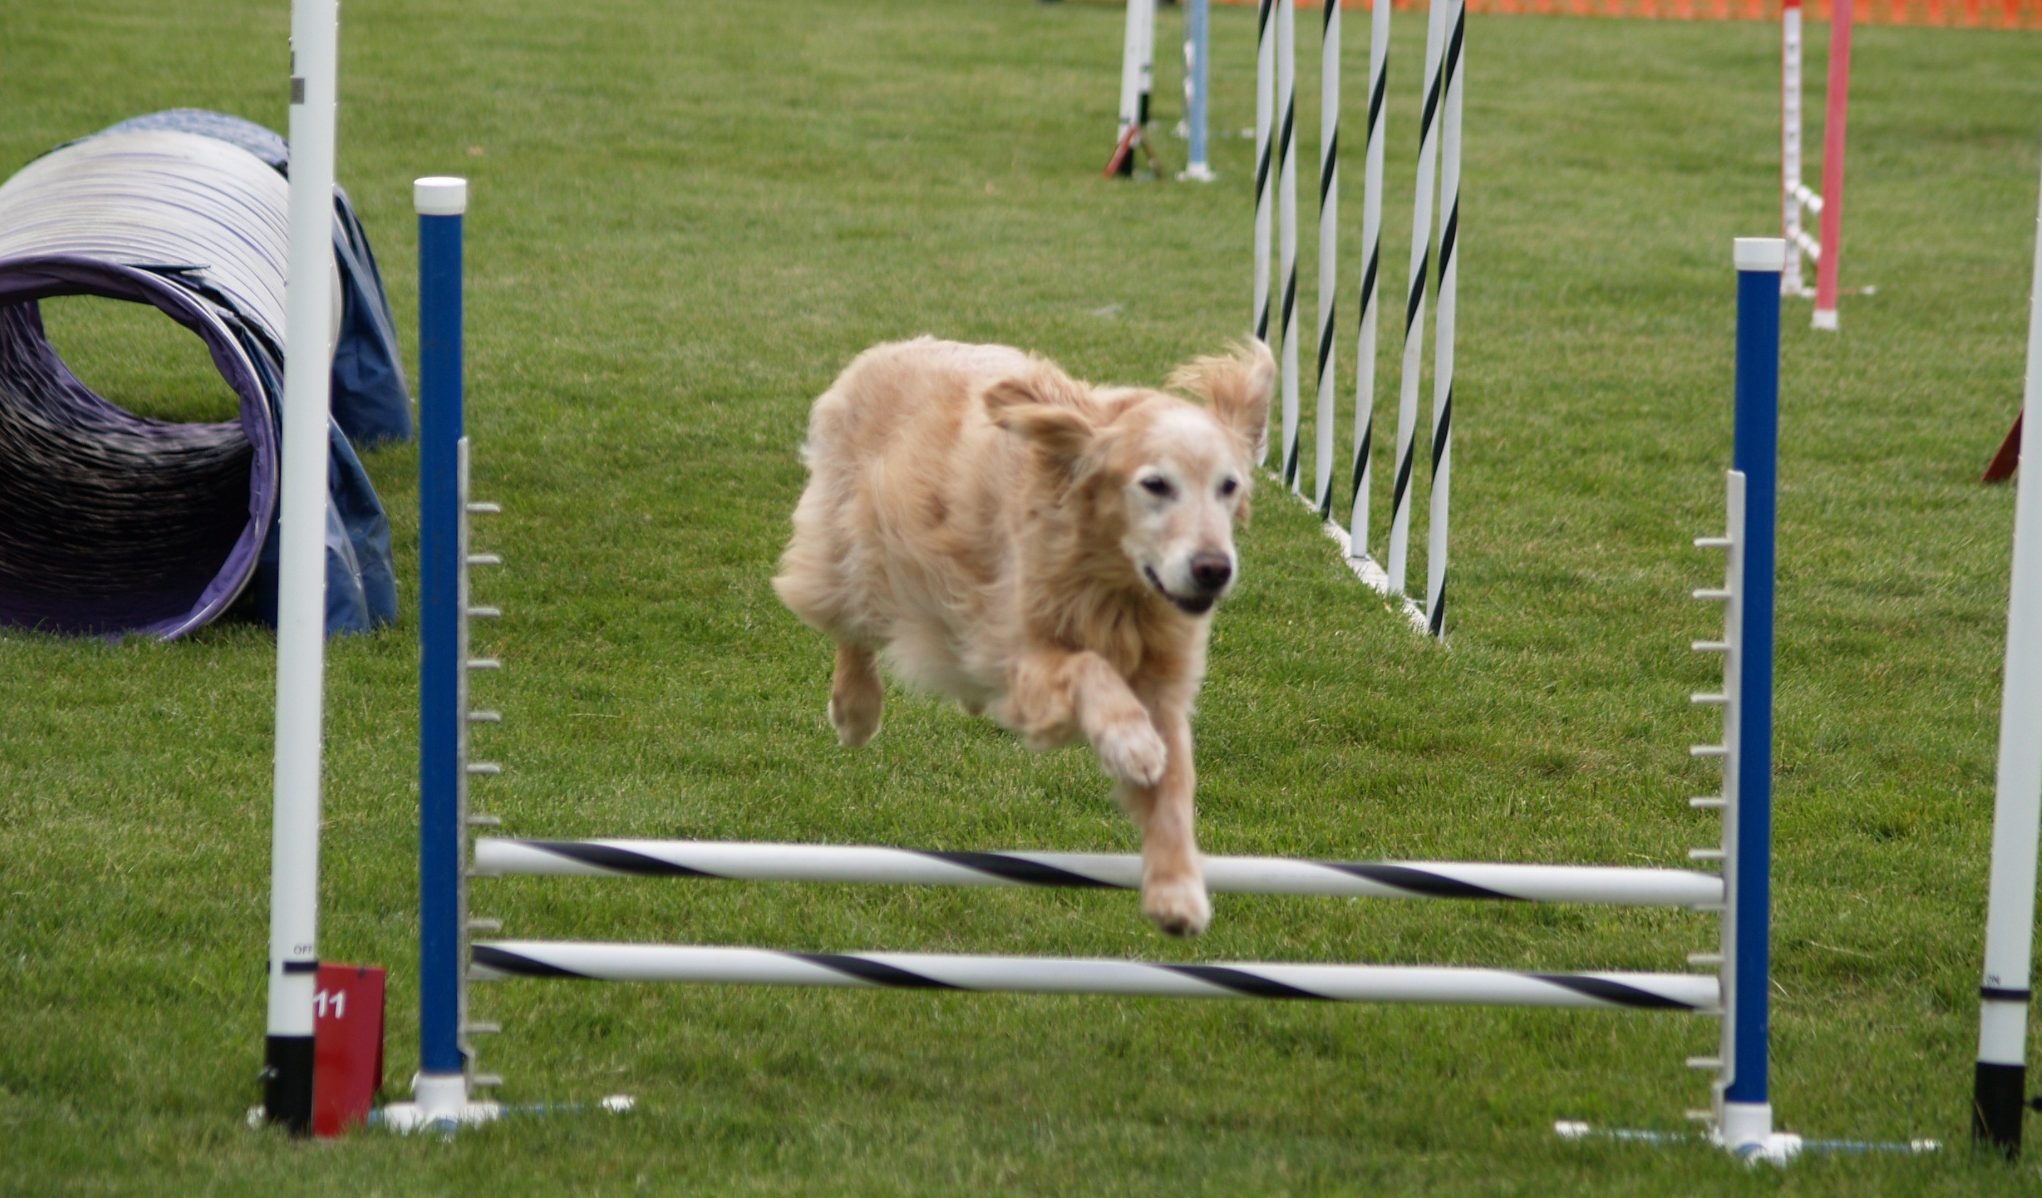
(1132, 753)
(855, 718)
(1180, 908)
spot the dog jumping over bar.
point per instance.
(1037, 548)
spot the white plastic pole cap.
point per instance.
(1752, 253)
(440, 195)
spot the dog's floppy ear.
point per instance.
(1047, 408)
(1238, 386)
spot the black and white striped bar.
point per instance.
(740, 861)
(497, 960)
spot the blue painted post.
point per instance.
(1197, 85)
(440, 204)
(1760, 262)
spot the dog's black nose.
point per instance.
(1211, 570)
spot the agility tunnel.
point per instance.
(114, 523)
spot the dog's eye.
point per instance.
(1228, 487)
(1158, 486)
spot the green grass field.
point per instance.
(685, 219)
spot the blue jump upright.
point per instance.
(1745, 1120)
(445, 1068)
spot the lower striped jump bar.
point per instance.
(1059, 975)
(1614, 885)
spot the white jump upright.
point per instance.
(2000, 1094)
(301, 598)
(1137, 80)
(1796, 197)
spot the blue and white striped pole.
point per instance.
(1746, 1121)
(442, 1079)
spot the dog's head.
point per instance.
(1159, 479)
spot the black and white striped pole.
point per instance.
(1414, 304)
(1443, 348)
(2000, 1086)
(1265, 109)
(1329, 258)
(301, 597)
(1287, 224)
(1371, 270)
(1070, 975)
(698, 860)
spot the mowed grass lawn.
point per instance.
(685, 219)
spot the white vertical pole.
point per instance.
(1455, 72)
(1147, 61)
(1414, 322)
(1790, 143)
(2017, 810)
(1130, 80)
(301, 603)
(1329, 265)
(1287, 222)
(1371, 270)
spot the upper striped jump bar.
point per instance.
(1067, 975)
(1609, 885)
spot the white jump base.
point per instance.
(756, 862)
(495, 960)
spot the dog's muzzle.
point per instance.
(1210, 574)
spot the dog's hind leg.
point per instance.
(856, 697)
(1173, 886)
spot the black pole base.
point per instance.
(1999, 1095)
(287, 1083)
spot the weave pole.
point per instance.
(1371, 264)
(1287, 225)
(1443, 348)
(1999, 1084)
(1329, 258)
(1414, 308)
(1265, 84)
(301, 599)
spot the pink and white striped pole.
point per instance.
(1833, 120)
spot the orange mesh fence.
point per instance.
(1962, 14)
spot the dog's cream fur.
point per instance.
(1036, 547)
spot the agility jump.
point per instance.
(446, 1087)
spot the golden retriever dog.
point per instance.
(1038, 548)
